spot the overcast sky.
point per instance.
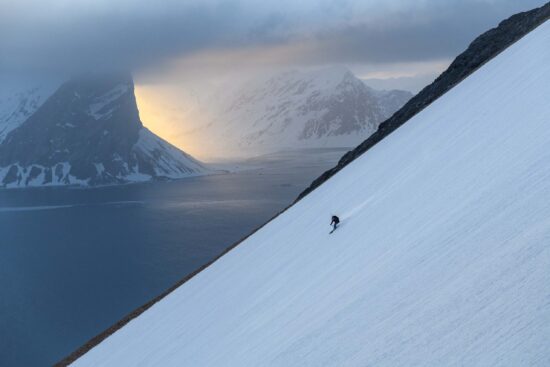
(399, 39)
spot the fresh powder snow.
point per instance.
(442, 258)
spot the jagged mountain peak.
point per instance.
(302, 80)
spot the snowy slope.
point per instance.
(169, 161)
(19, 99)
(442, 258)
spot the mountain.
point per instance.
(323, 108)
(85, 132)
(441, 259)
(390, 101)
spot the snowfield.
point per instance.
(442, 258)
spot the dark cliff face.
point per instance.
(87, 120)
(88, 132)
(481, 50)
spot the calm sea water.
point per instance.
(74, 261)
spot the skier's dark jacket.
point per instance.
(335, 219)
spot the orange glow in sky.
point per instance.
(167, 115)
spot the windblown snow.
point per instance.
(442, 258)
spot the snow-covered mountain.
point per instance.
(441, 259)
(290, 110)
(87, 131)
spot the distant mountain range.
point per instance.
(86, 131)
(327, 108)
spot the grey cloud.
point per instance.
(117, 39)
(127, 34)
(434, 30)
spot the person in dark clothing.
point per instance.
(335, 221)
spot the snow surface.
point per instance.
(442, 258)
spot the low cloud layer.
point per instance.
(72, 36)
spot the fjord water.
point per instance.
(74, 261)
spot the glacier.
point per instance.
(441, 259)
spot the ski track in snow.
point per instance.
(442, 260)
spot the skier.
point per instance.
(334, 223)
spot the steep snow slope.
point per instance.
(442, 258)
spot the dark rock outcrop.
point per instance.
(481, 50)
